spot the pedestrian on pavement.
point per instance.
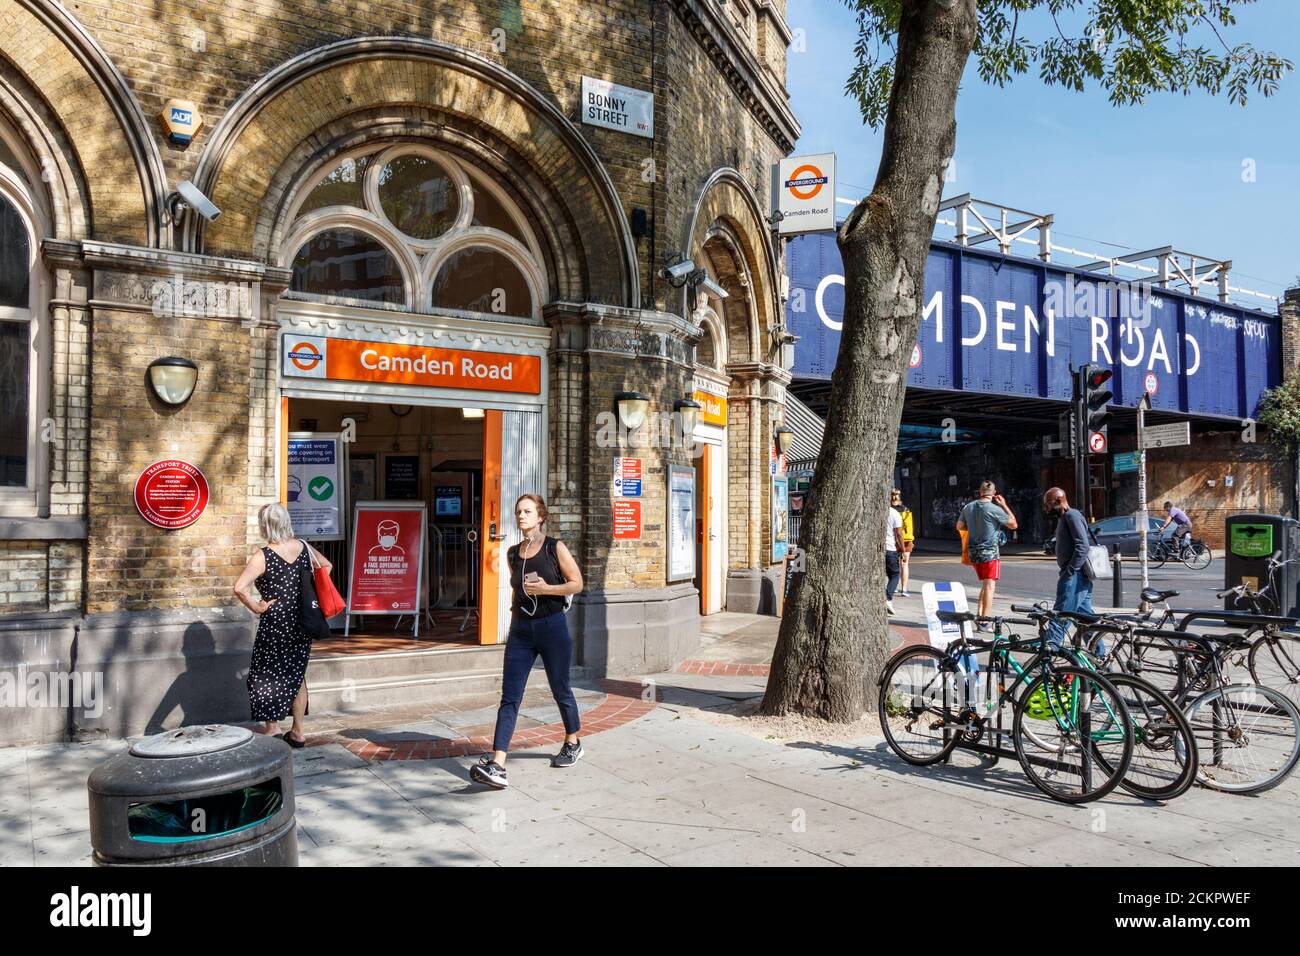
(1074, 585)
(893, 549)
(1182, 526)
(982, 519)
(277, 675)
(543, 579)
(909, 539)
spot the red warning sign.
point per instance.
(1097, 443)
(627, 518)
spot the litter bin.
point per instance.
(1250, 540)
(208, 795)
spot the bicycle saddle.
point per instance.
(955, 617)
(1154, 595)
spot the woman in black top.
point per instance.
(277, 674)
(543, 576)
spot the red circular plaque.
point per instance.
(171, 493)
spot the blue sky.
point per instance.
(1166, 173)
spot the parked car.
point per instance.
(1119, 533)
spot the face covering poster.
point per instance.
(387, 548)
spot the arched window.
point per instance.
(410, 226)
(24, 362)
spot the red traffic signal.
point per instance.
(1099, 376)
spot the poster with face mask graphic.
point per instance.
(387, 552)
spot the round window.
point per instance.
(418, 196)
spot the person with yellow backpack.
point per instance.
(909, 538)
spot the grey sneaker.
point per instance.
(569, 755)
(489, 774)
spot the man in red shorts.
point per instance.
(982, 519)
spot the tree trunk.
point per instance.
(834, 632)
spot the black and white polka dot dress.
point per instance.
(280, 649)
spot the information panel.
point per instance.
(316, 490)
(388, 541)
(681, 522)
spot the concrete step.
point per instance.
(354, 696)
(335, 668)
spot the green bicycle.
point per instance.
(1069, 724)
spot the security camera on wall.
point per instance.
(711, 288)
(189, 196)
(677, 273)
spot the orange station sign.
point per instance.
(714, 408)
(353, 360)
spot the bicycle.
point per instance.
(1247, 735)
(1196, 555)
(926, 712)
(1165, 763)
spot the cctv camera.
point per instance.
(678, 273)
(189, 196)
(712, 289)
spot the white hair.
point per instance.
(274, 522)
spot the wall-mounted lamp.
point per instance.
(632, 409)
(784, 437)
(471, 413)
(173, 379)
(689, 410)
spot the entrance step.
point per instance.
(360, 683)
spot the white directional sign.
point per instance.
(1167, 436)
(622, 108)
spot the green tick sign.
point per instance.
(315, 474)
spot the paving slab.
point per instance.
(754, 850)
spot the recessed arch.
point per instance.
(101, 123)
(252, 155)
(728, 215)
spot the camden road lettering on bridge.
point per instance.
(999, 325)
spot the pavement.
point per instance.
(668, 784)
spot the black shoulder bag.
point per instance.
(314, 624)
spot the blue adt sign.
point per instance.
(998, 325)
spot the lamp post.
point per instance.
(173, 379)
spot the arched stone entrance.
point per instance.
(728, 238)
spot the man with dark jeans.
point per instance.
(1074, 586)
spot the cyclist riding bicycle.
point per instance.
(1183, 525)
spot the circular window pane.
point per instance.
(418, 196)
(348, 263)
(482, 280)
(341, 187)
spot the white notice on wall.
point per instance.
(617, 107)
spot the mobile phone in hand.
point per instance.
(532, 576)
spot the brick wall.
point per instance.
(39, 576)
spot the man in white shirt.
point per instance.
(893, 546)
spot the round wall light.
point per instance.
(784, 437)
(689, 409)
(173, 379)
(632, 409)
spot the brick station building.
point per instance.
(401, 179)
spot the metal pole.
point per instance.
(1142, 491)
(1117, 580)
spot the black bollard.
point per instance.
(1117, 580)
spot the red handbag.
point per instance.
(327, 595)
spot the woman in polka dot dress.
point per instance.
(277, 683)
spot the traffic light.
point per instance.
(1067, 433)
(1093, 397)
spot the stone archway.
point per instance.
(100, 126)
(255, 157)
(728, 237)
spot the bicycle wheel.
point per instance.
(1247, 737)
(1275, 662)
(1079, 767)
(1162, 662)
(1197, 556)
(1164, 750)
(1157, 554)
(917, 707)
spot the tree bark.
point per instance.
(834, 632)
